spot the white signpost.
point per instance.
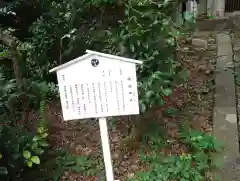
(98, 85)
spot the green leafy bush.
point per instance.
(75, 163)
(59, 161)
(191, 166)
(21, 149)
(200, 141)
(171, 168)
(149, 33)
(142, 30)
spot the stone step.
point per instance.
(225, 126)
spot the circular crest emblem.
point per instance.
(95, 62)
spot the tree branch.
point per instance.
(11, 42)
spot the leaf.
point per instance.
(167, 92)
(171, 111)
(171, 41)
(16, 156)
(132, 47)
(4, 54)
(10, 86)
(44, 135)
(36, 138)
(160, 101)
(26, 154)
(143, 107)
(0, 156)
(66, 36)
(156, 76)
(3, 171)
(35, 159)
(184, 75)
(40, 129)
(29, 164)
(149, 94)
(43, 86)
(43, 143)
(34, 145)
(109, 33)
(186, 175)
(1, 128)
(57, 176)
(39, 151)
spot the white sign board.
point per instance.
(98, 87)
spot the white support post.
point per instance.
(211, 8)
(106, 149)
(220, 8)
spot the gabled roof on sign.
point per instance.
(90, 53)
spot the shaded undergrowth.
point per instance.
(193, 163)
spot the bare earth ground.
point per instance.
(194, 99)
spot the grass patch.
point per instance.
(194, 165)
(61, 161)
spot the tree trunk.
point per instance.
(10, 42)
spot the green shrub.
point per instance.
(191, 166)
(142, 30)
(20, 149)
(200, 141)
